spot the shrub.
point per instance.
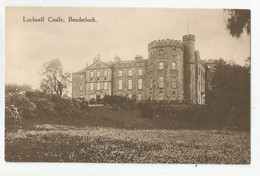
(30, 104)
(18, 100)
(120, 101)
(146, 110)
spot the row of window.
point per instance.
(130, 72)
(98, 86)
(161, 82)
(130, 84)
(105, 73)
(173, 65)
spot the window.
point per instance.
(130, 84)
(98, 74)
(80, 87)
(139, 97)
(80, 76)
(140, 83)
(130, 96)
(161, 82)
(98, 86)
(91, 86)
(160, 51)
(174, 95)
(130, 72)
(105, 86)
(160, 65)
(140, 72)
(91, 74)
(151, 83)
(105, 73)
(120, 73)
(120, 85)
(174, 82)
(174, 65)
(161, 96)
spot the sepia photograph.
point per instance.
(127, 85)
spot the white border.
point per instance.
(142, 169)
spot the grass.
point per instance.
(108, 136)
(57, 143)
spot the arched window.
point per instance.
(161, 82)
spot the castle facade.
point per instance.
(173, 71)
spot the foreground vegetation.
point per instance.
(44, 126)
(59, 143)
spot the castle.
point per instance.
(173, 71)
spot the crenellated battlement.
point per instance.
(164, 42)
(189, 37)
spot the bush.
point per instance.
(120, 101)
(18, 100)
(146, 110)
(31, 104)
(174, 110)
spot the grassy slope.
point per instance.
(104, 135)
(126, 119)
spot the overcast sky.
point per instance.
(124, 32)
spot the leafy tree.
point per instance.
(54, 80)
(230, 94)
(238, 22)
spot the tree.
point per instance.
(230, 94)
(238, 22)
(54, 80)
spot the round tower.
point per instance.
(165, 70)
(189, 68)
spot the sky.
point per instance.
(123, 32)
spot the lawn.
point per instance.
(57, 143)
(107, 136)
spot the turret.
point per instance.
(189, 46)
(189, 68)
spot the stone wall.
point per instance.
(166, 52)
(182, 74)
(95, 80)
(124, 67)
